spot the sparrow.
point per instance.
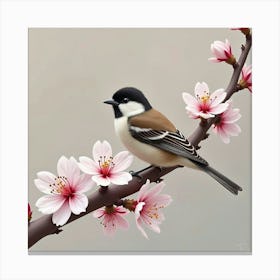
(153, 138)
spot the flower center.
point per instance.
(153, 211)
(105, 165)
(205, 98)
(61, 186)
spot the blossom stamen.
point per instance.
(61, 186)
(205, 98)
(105, 165)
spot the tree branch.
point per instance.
(43, 226)
(200, 132)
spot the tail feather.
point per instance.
(223, 180)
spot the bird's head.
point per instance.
(129, 102)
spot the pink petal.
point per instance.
(247, 73)
(43, 186)
(201, 89)
(231, 116)
(49, 204)
(228, 45)
(222, 134)
(154, 190)
(161, 200)
(214, 59)
(109, 225)
(160, 216)
(100, 180)
(61, 216)
(120, 210)
(190, 100)
(195, 112)
(192, 115)
(121, 222)
(147, 220)
(143, 190)
(100, 150)
(139, 224)
(84, 183)
(120, 178)
(154, 227)
(98, 213)
(122, 161)
(218, 49)
(87, 165)
(218, 109)
(68, 168)
(46, 176)
(78, 203)
(218, 96)
(206, 115)
(232, 129)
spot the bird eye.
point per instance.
(125, 100)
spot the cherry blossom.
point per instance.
(112, 218)
(104, 168)
(226, 125)
(246, 77)
(149, 205)
(222, 52)
(204, 105)
(65, 192)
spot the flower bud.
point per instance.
(246, 77)
(222, 52)
(29, 213)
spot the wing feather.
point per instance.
(173, 142)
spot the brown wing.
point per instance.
(153, 119)
(172, 142)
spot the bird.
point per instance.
(153, 138)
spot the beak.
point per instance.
(111, 102)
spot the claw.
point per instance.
(136, 174)
(159, 180)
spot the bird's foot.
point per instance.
(137, 173)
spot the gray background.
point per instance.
(71, 71)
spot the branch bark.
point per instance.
(43, 226)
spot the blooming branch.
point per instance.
(200, 132)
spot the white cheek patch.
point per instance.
(131, 108)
